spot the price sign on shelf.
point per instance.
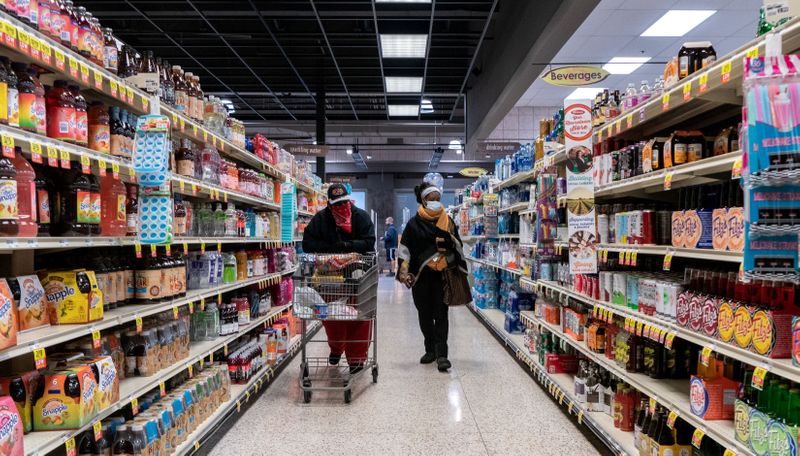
(10, 35)
(687, 91)
(705, 355)
(115, 170)
(697, 437)
(97, 427)
(84, 72)
(24, 42)
(135, 405)
(668, 259)
(8, 146)
(673, 416)
(162, 389)
(652, 405)
(668, 181)
(669, 340)
(86, 165)
(759, 374)
(69, 447)
(729, 452)
(96, 343)
(102, 167)
(665, 101)
(752, 52)
(725, 72)
(98, 80)
(114, 87)
(702, 83)
(63, 156)
(139, 324)
(36, 152)
(629, 121)
(39, 357)
(129, 94)
(736, 169)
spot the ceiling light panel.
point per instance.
(678, 22)
(403, 84)
(404, 46)
(625, 65)
(403, 110)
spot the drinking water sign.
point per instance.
(575, 75)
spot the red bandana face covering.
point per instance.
(342, 215)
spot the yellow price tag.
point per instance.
(69, 446)
(665, 101)
(202, 247)
(668, 181)
(736, 170)
(668, 259)
(129, 92)
(135, 405)
(98, 79)
(729, 452)
(687, 91)
(175, 312)
(725, 72)
(238, 406)
(705, 356)
(219, 246)
(202, 362)
(102, 166)
(673, 416)
(669, 340)
(191, 370)
(225, 349)
(652, 405)
(36, 152)
(191, 307)
(697, 437)
(183, 123)
(162, 389)
(194, 130)
(96, 339)
(86, 164)
(114, 87)
(97, 427)
(115, 170)
(580, 417)
(629, 121)
(60, 59)
(753, 52)
(759, 374)
(618, 126)
(702, 82)
(84, 72)
(39, 357)
(633, 257)
(196, 445)
(139, 324)
(145, 104)
(8, 146)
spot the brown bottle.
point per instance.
(198, 114)
(148, 73)
(181, 90)
(192, 93)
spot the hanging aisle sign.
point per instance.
(581, 222)
(575, 75)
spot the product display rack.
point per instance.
(43, 442)
(699, 254)
(8, 245)
(560, 386)
(495, 266)
(555, 153)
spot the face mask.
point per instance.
(433, 205)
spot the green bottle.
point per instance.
(774, 397)
(782, 406)
(793, 418)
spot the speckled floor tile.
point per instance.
(413, 409)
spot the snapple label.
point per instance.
(725, 327)
(682, 308)
(84, 207)
(710, 316)
(742, 326)
(780, 439)
(763, 333)
(696, 313)
(759, 433)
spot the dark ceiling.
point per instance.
(271, 58)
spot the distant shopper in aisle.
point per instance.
(343, 228)
(390, 244)
(432, 265)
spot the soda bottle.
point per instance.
(44, 192)
(26, 195)
(9, 217)
(132, 211)
(12, 97)
(60, 105)
(117, 146)
(81, 117)
(113, 216)
(99, 129)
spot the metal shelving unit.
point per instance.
(699, 254)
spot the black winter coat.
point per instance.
(323, 236)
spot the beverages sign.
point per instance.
(575, 75)
(307, 149)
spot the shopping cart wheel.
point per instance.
(305, 371)
(348, 395)
(306, 396)
(375, 374)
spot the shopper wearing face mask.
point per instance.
(390, 244)
(432, 265)
(343, 228)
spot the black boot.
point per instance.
(442, 362)
(427, 358)
(333, 359)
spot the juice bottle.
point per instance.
(9, 218)
(97, 42)
(117, 147)
(23, 11)
(181, 90)
(110, 51)
(199, 111)
(113, 216)
(45, 7)
(148, 70)
(31, 99)
(44, 191)
(60, 105)
(12, 94)
(3, 93)
(168, 88)
(95, 204)
(99, 128)
(77, 17)
(26, 195)
(132, 210)
(75, 204)
(33, 13)
(62, 24)
(185, 159)
(84, 33)
(81, 117)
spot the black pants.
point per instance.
(428, 293)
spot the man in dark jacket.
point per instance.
(343, 228)
(390, 244)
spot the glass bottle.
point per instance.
(167, 84)
(198, 114)
(149, 72)
(44, 192)
(192, 94)
(12, 97)
(181, 90)
(185, 159)
(180, 221)
(81, 117)
(110, 51)
(132, 211)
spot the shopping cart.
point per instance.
(338, 287)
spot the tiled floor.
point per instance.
(485, 405)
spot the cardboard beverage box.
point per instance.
(11, 432)
(713, 399)
(31, 304)
(772, 333)
(710, 315)
(104, 371)
(725, 327)
(742, 326)
(555, 363)
(21, 389)
(66, 400)
(8, 317)
(72, 296)
(796, 341)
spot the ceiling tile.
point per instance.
(647, 4)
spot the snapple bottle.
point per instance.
(113, 221)
(44, 191)
(81, 117)
(9, 218)
(32, 106)
(75, 203)
(99, 128)
(60, 112)
(26, 195)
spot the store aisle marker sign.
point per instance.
(580, 187)
(575, 75)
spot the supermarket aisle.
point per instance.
(485, 405)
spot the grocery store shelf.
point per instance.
(531, 212)
(654, 182)
(241, 395)
(555, 153)
(780, 367)
(8, 245)
(560, 386)
(306, 188)
(48, 336)
(509, 236)
(305, 213)
(472, 238)
(685, 101)
(133, 387)
(672, 394)
(699, 254)
(495, 266)
(193, 187)
(516, 207)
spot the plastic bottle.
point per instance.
(9, 217)
(231, 221)
(219, 221)
(123, 445)
(110, 51)
(4, 79)
(181, 90)
(113, 198)
(116, 146)
(44, 192)
(26, 195)
(95, 205)
(62, 24)
(132, 210)
(31, 99)
(12, 97)
(81, 117)
(99, 128)
(80, 31)
(210, 163)
(60, 112)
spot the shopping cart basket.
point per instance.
(335, 287)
